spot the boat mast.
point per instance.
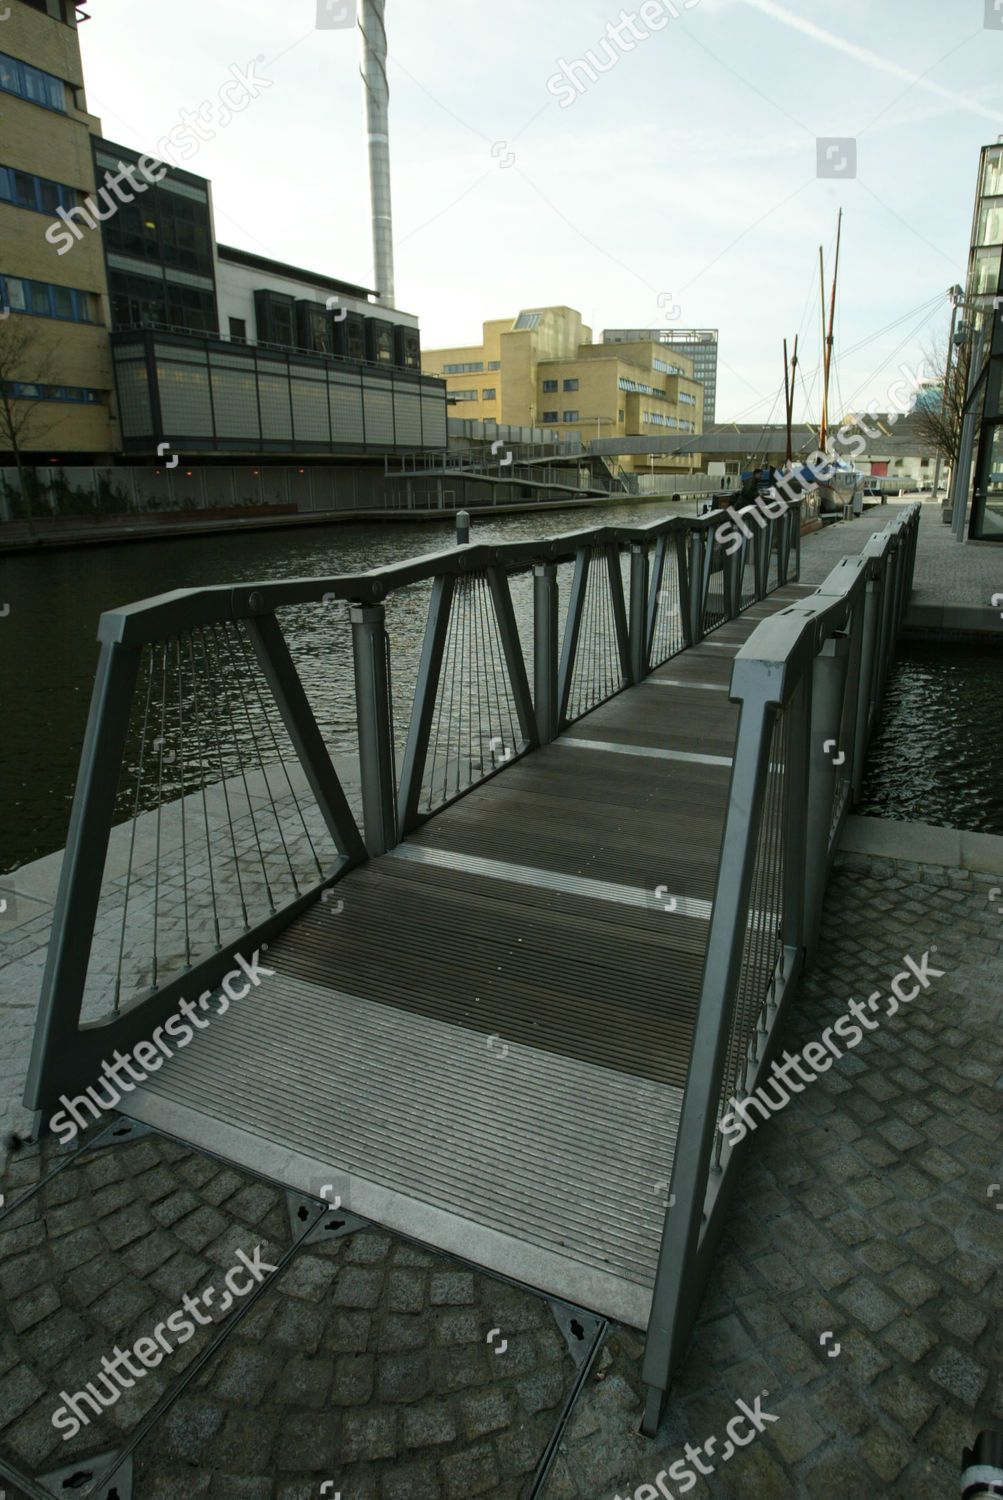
(828, 336)
(825, 363)
(789, 377)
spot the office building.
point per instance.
(984, 311)
(541, 369)
(55, 356)
(698, 345)
(221, 351)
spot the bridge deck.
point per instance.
(485, 1048)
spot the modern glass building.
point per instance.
(984, 311)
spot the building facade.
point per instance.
(697, 345)
(986, 249)
(542, 369)
(984, 310)
(125, 327)
(219, 351)
(55, 356)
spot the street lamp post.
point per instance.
(956, 295)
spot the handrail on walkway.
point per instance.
(809, 681)
(208, 811)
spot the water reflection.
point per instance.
(935, 754)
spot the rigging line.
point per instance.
(913, 333)
(903, 317)
(906, 225)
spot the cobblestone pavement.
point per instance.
(947, 572)
(867, 1209)
(364, 1361)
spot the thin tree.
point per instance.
(938, 421)
(25, 371)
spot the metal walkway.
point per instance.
(487, 1047)
(513, 992)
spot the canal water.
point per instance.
(935, 754)
(48, 648)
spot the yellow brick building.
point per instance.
(55, 354)
(543, 370)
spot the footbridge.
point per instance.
(479, 884)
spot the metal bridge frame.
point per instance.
(822, 662)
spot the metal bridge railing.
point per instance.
(809, 681)
(209, 810)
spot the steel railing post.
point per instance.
(54, 1049)
(376, 751)
(825, 754)
(697, 590)
(734, 573)
(638, 612)
(865, 680)
(673, 1304)
(545, 650)
(795, 817)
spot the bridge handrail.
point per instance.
(201, 727)
(809, 681)
(163, 614)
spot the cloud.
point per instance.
(868, 58)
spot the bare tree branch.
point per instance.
(938, 422)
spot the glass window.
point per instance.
(571, 385)
(488, 394)
(31, 83)
(45, 301)
(62, 301)
(14, 294)
(24, 186)
(238, 330)
(570, 416)
(550, 385)
(494, 364)
(51, 196)
(548, 416)
(990, 230)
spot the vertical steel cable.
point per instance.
(261, 768)
(182, 762)
(160, 809)
(148, 653)
(200, 721)
(267, 717)
(218, 700)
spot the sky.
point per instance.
(680, 188)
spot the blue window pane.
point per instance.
(62, 302)
(51, 196)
